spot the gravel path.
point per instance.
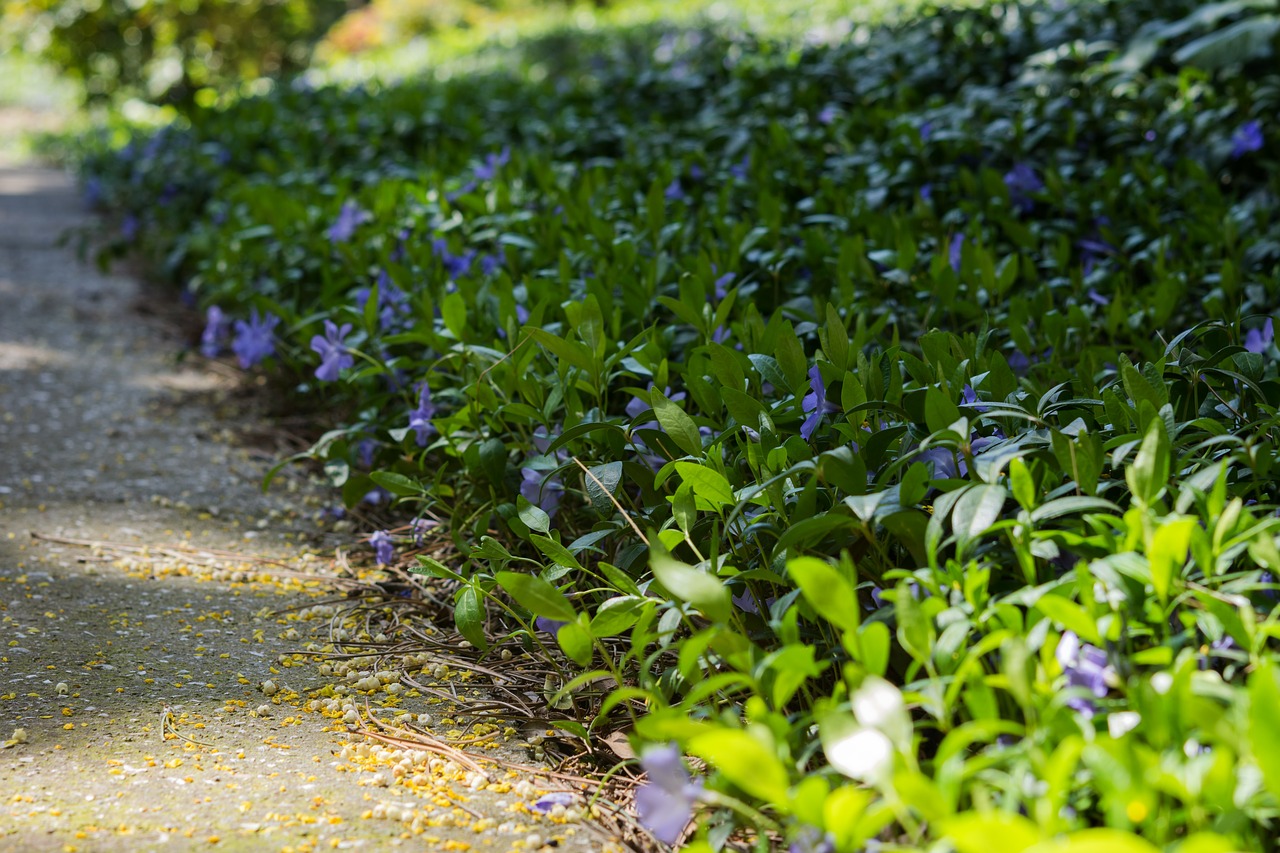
(175, 618)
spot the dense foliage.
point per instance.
(167, 50)
(891, 423)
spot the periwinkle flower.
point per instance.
(665, 803)
(1022, 181)
(812, 840)
(541, 490)
(216, 328)
(393, 303)
(1247, 139)
(129, 227)
(827, 115)
(815, 404)
(383, 549)
(1257, 340)
(1091, 250)
(970, 398)
(255, 338)
(551, 626)
(488, 170)
(491, 263)
(955, 252)
(1097, 298)
(721, 285)
(420, 418)
(739, 169)
(556, 798)
(350, 216)
(332, 351)
(419, 528)
(1086, 668)
(926, 130)
(926, 192)
(674, 192)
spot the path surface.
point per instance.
(106, 437)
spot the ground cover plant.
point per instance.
(880, 430)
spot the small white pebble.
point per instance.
(269, 687)
(62, 688)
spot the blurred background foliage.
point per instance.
(178, 52)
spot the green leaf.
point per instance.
(939, 411)
(743, 408)
(1021, 483)
(826, 591)
(991, 832)
(1168, 551)
(1149, 472)
(555, 552)
(702, 590)
(468, 615)
(1071, 616)
(397, 484)
(976, 511)
(534, 517)
(1069, 505)
(708, 485)
(678, 425)
(1096, 841)
(617, 615)
(537, 596)
(601, 484)
(745, 762)
(454, 312)
(575, 641)
(1264, 723)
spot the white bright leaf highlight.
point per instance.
(862, 754)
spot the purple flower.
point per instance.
(393, 303)
(551, 626)
(419, 528)
(555, 798)
(812, 840)
(721, 285)
(926, 130)
(827, 115)
(490, 264)
(665, 803)
(420, 418)
(92, 192)
(1247, 139)
(739, 169)
(1257, 340)
(349, 218)
(332, 351)
(1098, 298)
(815, 404)
(364, 452)
(674, 192)
(970, 398)
(1091, 250)
(383, 550)
(492, 163)
(1086, 669)
(955, 252)
(129, 227)
(1022, 181)
(254, 338)
(542, 439)
(541, 490)
(926, 192)
(1018, 362)
(721, 334)
(216, 328)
